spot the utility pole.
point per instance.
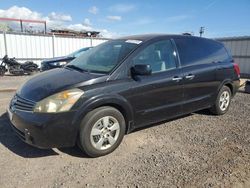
(89, 35)
(202, 30)
(21, 24)
(45, 27)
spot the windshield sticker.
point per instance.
(134, 41)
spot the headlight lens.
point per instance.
(59, 63)
(59, 102)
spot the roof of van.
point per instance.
(146, 37)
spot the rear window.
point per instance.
(200, 51)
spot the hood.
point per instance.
(56, 59)
(53, 81)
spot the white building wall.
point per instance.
(26, 47)
(65, 45)
(2, 47)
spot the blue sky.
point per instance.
(117, 18)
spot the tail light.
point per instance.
(237, 69)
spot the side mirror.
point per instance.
(142, 69)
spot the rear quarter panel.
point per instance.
(226, 75)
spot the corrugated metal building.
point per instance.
(240, 49)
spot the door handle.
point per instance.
(177, 78)
(190, 76)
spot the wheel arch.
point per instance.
(227, 83)
(230, 85)
(117, 102)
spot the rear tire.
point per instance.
(101, 131)
(223, 101)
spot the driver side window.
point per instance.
(159, 55)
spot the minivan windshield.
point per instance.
(78, 52)
(104, 57)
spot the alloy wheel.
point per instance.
(105, 133)
(224, 100)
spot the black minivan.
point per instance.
(121, 85)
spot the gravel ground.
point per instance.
(198, 150)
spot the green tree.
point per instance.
(5, 27)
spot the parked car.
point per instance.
(59, 62)
(122, 85)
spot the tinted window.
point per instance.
(200, 51)
(159, 55)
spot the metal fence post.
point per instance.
(5, 43)
(53, 45)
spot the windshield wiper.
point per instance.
(85, 70)
(76, 68)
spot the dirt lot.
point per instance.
(8, 83)
(198, 150)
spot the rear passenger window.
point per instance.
(159, 55)
(200, 51)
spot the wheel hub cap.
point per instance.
(224, 100)
(105, 133)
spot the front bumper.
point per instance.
(44, 130)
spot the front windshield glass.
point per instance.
(78, 52)
(103, 58)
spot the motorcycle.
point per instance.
(15, 68)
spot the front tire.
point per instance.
(223, 101)
(101, 131)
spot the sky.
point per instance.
(221, 18)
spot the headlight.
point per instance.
(62, 63)
(59, 63)
(59, 102)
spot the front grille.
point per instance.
(19, 103)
